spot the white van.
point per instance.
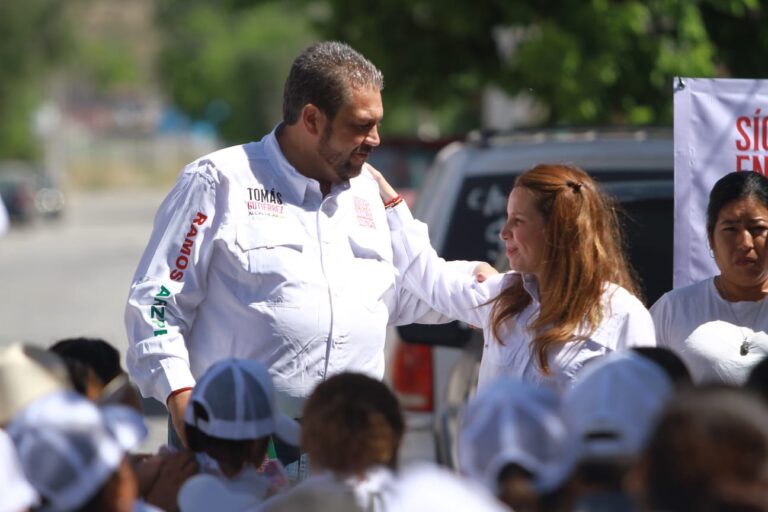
(463, 200)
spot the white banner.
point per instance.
(720, 126)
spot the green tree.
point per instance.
(226, 62)
(36, 35)
(588, 62)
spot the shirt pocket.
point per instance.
(274, 258)
(371, 269)
(371, 246)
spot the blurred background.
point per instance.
(103, 101)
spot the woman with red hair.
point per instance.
(569, 296)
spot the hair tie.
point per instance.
(575, 185)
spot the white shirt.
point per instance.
(206, 492)
(626, 322)
(247, 259)
(707, 332)
(370, 491)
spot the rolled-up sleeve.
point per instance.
(169, 284)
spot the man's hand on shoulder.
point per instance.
(483, 271)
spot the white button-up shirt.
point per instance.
(247, 259)
(626, 322)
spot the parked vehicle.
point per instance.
(18, 194)
(28, 192)
(435, 368)
(405, 162)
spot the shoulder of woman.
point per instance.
(684, 295)
(617, 295)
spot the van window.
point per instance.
(646, 215)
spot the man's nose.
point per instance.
(372, 139)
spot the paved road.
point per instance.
(70, 277)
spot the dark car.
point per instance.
(28, 192)
(18, 194)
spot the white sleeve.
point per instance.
(169, 283)
(413, 310)
(449, 288)
(638, 330)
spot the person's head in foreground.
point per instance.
(352, 423)
(709, 452)
(563, 230)
(510, 432)
(610, 412)
(95, 371)
(26, 374)
(75, 454)
(232, 413)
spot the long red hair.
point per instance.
(583, 253)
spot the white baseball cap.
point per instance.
(26, 374)
(16, 493)
(68, 447)
(610, 411)
(509, 422)
(238, 398)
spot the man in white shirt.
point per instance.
(277, 250)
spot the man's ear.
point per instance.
(313, 119)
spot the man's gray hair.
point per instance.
(323, 75)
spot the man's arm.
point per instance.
(410, 308)
(169, 284)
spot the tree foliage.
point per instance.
(594, 61)
(36, 35)
(226, 62)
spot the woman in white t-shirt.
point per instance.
(570, 296)
(718, 326)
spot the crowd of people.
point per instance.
(258, 313)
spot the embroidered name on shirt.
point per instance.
(182, 261)
(157, 313)
(364, 214)
(262, 201)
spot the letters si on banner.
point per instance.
(721, 125)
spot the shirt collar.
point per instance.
(295, 182)
(530, 283)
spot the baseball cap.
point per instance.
(238, 398)
(610, 411)
(16, 493)
(68, 447)
(509, 422)
(27, 373)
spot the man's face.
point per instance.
(347, 140)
